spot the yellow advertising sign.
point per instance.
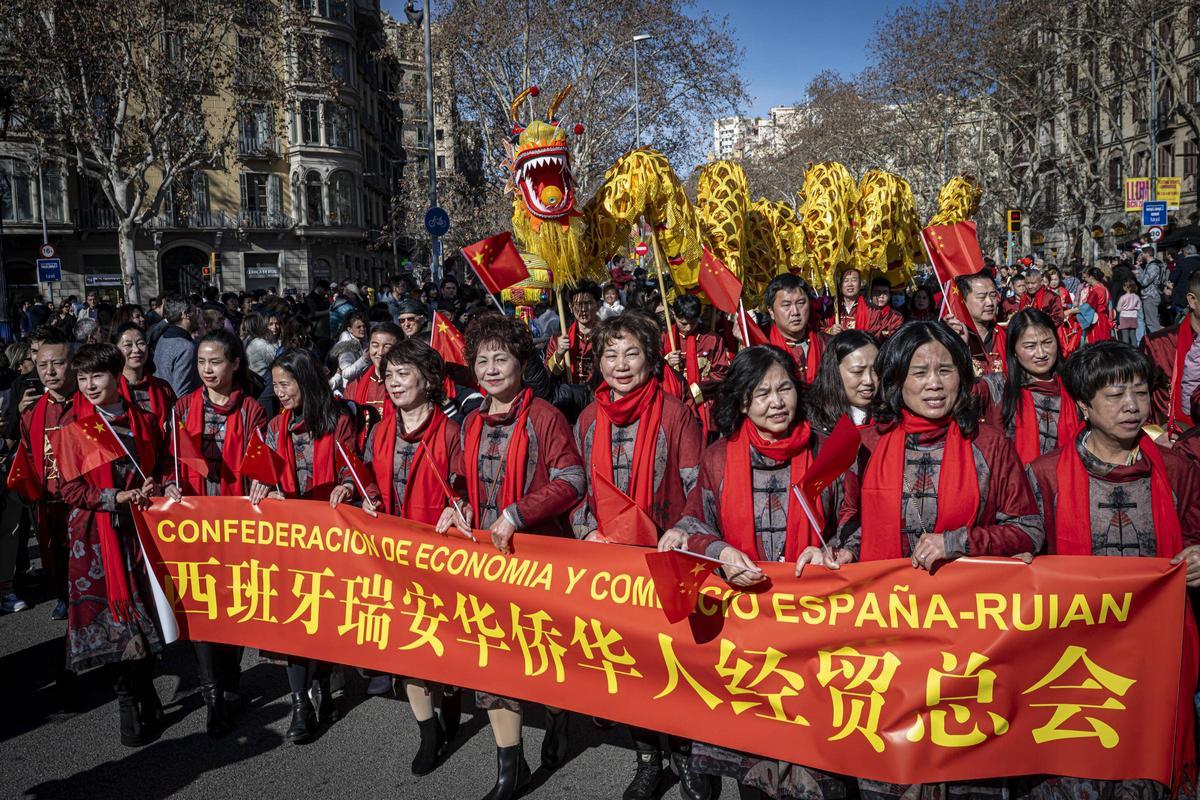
(1137, 191)
(1169, 190)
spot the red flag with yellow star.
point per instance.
(953, 250)
(497, 262)
(723, 288)
(22, 478)
(678, 576)
(84, 445)
(188, 451)
(620, 519)
(446, 339)
(261, 462)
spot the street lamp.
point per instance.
(637, 112)
(423, 17)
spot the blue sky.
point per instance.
(787, 42)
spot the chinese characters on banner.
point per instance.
(877, 670)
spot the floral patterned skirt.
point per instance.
(94, 636)
(778, 779)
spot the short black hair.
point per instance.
(963, 282)
(640, 326)
(896, 355)
(502, 331)
(1104, 363)
(584, 287)
(125, 327)
(388, 328)
(686, 306)
(879, 284)
(745, 373)
(103, 357)
(785, 282)
(428, 362)
(49, 334)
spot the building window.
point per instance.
(1114, 112)
(333, 9)
(341, 199)
(261, 200)
(52, 194)
(439, 134)
(1190, 151)
(313, 206)
(441, 162)
(338, 53)
(256, 129)
(17, 187)
(1114, 174)
(339, 126)
(1193, 87)
(310, 122)
(1166, 161)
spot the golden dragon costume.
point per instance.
(870, 224)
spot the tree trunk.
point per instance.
(126, 236)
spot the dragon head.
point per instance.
(541, 162)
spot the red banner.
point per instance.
(986, 668)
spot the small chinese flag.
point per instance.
(84, 445)
(261, 462)
(497, 262)
(360, 471)
(723, 288)
(621, 521)
(22, 478)
(750, 328)
(836, 455)
(447, 340)
(955, 306)
(187, 450)
(953, 250)
(678, 576)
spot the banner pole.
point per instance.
(128, 454)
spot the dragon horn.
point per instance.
(558, 99)
(514, 109)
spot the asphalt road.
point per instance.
(52, 749)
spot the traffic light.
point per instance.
(1014, 220)
(211, 269)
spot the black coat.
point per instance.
(1180, 278)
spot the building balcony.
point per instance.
(194, 220)
(96, 219)
(258, 147)
(264, 220)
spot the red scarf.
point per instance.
(514, 460)
(424, 497)
(812, 361)
(1183, 344)
(883, 486)
(116, 576)
(161, 396)
(645, 405)
(233, 449)
(737, 495)
(1072, 516)
(1025, 425)
(322, 458)
(364, 386)
(862, 314)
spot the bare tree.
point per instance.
(687, 73)
(139, 93)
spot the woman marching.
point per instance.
(1097, 299)
(648, 444)
(1110, 490)
(150, 394)
(1035, 411)
(110, 618)
(846, 382)
(306, 434)
(743, 510)
(410, 449)
(939, 485)
(523, 472)
(221, 419)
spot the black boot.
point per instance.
(304, 719)
(217, 720)
(327, 708)
(644, 785)
(750, 793)
(554, 745)
(132, 734)
(431, 747)
(450, 711)
(693, 784)
(512, 773)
